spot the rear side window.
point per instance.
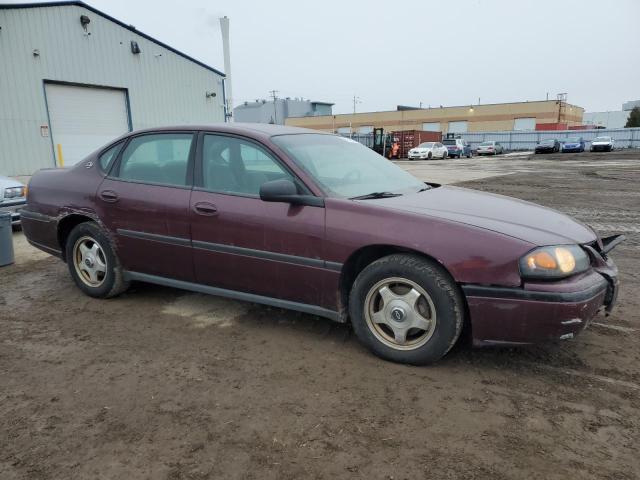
(107, 158)
(157, 158)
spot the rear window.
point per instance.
(486, 144)
(449, 142)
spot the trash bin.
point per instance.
(6, 240)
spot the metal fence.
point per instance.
(624, 137)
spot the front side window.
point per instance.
(345, 168)
(157, 158)
(236, 166)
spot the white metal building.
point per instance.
(72, 78)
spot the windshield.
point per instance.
(345, 168)
(486, 144)
(426, 145)
(547, 142)
(602, 139)
(572, 140)
(449, 142)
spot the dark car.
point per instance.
(318, 223)
(550, 145)
(572, 144)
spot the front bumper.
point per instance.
(14, 209)
(601, 148)
(418, 156)
(570, 149)
(540, 312)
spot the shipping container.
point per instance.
(409, 139)
(551, 126)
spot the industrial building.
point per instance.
(536, 115)
(278, 110)
(613, 118)
(73, 78)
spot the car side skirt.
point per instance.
(235, 295)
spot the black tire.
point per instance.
(446, 298)
(429, 156)
(112, 282)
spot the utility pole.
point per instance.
(226, 49)
(355, 100)
(274, 95)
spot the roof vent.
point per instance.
(135, 48)
(84, 21)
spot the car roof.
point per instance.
(249, 129)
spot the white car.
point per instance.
(13, 196)
(606, 144)
(428, 150)
(490, 148)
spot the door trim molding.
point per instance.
(235, 295)
(233, 250)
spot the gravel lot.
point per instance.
(161, 383)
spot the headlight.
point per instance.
(14, 192)
(554, 262)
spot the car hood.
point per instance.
(420, 150)
(509, 216)
(6, 182)
(604, 142)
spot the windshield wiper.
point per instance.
(374, 195)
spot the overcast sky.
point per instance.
(407, 52)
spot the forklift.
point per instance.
(382, 142)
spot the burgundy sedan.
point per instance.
(317, 223)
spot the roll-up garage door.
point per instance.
(83, 119)
(458, 127)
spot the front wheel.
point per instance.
(407, 309)
(444, 154)
(92, 262)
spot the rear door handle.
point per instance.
(109, 196)
(205, 208)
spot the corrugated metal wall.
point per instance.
(163, 87)
(624, 137)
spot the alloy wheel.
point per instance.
(90, 261)
(400, 313)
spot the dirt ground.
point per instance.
(165, 384)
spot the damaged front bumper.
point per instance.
(543, 311)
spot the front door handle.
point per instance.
(205, 208)
(109, 196)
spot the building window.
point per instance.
(524, 123)
(458, 127)
(431, 127)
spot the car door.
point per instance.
(244, 244)
(144, 202)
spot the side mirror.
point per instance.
(284, 190)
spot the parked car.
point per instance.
(427, 151)
(572, 144)
(12, 198)
(318, 223)
(551, 145)
(490, 148)
(603, 144)
(457, 147)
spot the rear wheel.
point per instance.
(406, 309)
(444, 154)
(92, 262)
